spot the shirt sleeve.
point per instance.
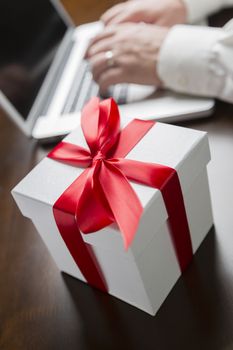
(199, 9)
(198, 61)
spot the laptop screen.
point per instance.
(30, 33)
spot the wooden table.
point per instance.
(40, 308)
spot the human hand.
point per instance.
(135, 49)
(160, 12)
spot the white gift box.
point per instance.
(143, 275)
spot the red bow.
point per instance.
(102, 194)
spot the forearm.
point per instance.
(198, 60)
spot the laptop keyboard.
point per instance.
(57, 77)
(84, 87)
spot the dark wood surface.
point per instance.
(40, 308)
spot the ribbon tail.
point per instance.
(167, 181)
(83, 255)
(123, 201)
(92, 211)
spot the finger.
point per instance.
(121, 18)
(112, 12)
(110, 77)
(105, 34)
(98, 65)
(125, 17)
(100, 46)
(160, 22)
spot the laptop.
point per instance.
(45, 80)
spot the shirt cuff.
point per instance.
(187, 62)
(198, 9)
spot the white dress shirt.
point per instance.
(199, 60)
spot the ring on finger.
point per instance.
(110, 59)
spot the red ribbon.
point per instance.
(102, 194)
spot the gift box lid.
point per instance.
(183, 149)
